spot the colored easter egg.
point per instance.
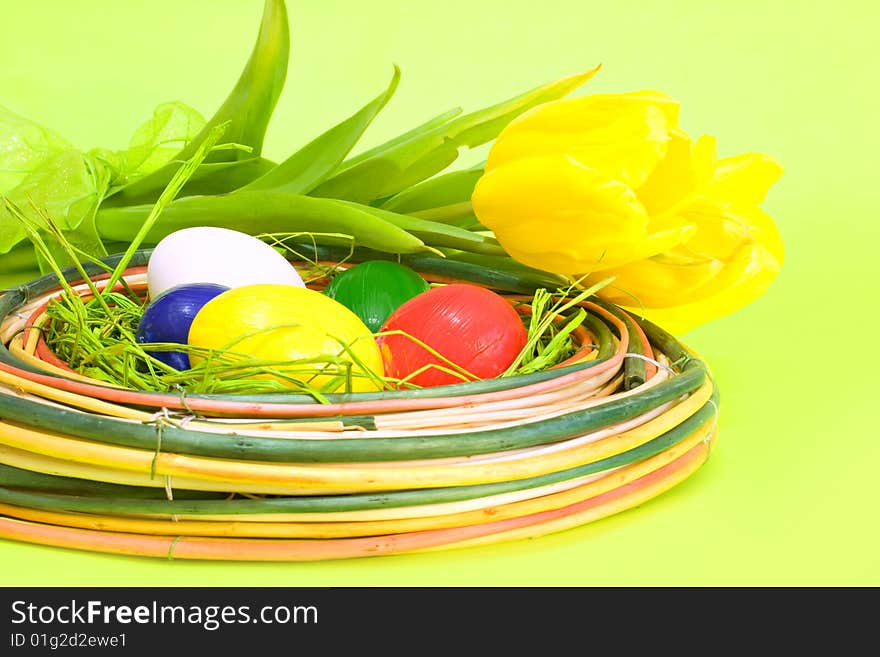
(288, 323)
(169, 316)
(373, 290)
(468, 325)
(207, 254)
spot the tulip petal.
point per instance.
(719, 252)
(704, 160)
(762, 268)
(575, 114)
(653, 276)
(659, 283)
(720, 233)
(764, 231)
(744, 180)
(674, 178)
(556, 214)
(624, 136)
(724, 227)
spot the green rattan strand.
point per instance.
(338, 503)
(13, 477)
(634, 370)
(247, 447)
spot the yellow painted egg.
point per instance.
(291, 324)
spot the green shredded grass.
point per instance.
(549, 331)
(288, 244)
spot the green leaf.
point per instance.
(419, 130)
(463, 221)
(24, 146)
(433, 233)
(381, 176)
(310, 165)
(68, 187)
(263, 211)
(424, 167)
(208, 180)
(249, 106)
(450, 188)
(395, 167)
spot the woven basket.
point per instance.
(282, 477)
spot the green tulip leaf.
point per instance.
(453, 188)
(433, 232)
(418, 131)
(310, 165)
(394, 167)
(208, 180)
(249, 106)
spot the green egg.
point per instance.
(374, 289)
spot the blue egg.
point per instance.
(168, 317)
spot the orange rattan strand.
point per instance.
(647, 349)
(537, 524)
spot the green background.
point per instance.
(790, 494)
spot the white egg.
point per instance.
(207, 254)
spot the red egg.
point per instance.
(473, 327)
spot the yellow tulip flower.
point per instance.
(610, 185)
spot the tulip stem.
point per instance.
(446, 213)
